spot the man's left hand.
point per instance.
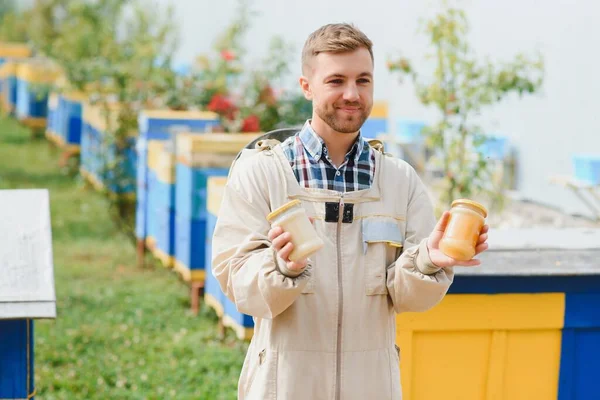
(443, 261)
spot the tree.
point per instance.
(13, 23)
(460, 89)
(133, 67)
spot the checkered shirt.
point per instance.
(308, 157)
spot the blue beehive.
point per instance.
(198, 158)
(213, 295)
(86, 151)
(241, 323)
(52, 118)
(16, 358)
(26, 288)
(98, 160)
(117, 176)
(11, 52)
(525, 324)
(587, 168)
(157, 126)
(84, 161)
(190, 226)
(33, 79)
(90, 154)
(162, 194)
(95, 155)
(8, 75)
(69, 118)
(145, 218)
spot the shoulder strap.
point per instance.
(264, 142)
(377, 145)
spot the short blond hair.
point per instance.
(334, 38)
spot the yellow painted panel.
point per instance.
(456, 361)
(88, 112)
(497, 311)
(533, 365)
(224, 143)
(154, 149)
(242, 332)
(150, 243)
(213, 303)
(215, 187)
(195, 275)
(379, 110)
(76, 96)
(38, 72)
(14, 50)
(104, 117)
(500, 347)
(174, 114)
(166, 259)
(165, 167)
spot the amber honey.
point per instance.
(460, 238)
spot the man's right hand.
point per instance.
(283, 245)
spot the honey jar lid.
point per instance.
(472, 204)
(282, 209)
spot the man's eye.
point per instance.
(336, 81)
(364, 81)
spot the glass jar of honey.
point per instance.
(292, 218)
(460, 238)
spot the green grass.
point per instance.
(121, 332)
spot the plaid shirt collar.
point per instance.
(316, 147)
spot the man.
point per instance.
(325, 327)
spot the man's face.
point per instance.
(341, 88)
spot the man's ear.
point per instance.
(305, 86)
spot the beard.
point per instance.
(349, 123)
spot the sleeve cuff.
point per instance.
(423, 261)
(284, 270)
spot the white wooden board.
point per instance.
(26, 259)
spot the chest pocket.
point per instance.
(382, 241)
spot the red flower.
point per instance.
(222, 106)
(251, 124)
(227, 55)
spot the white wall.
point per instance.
(547, 128)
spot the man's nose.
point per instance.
(351, 92)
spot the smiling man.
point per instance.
(325, 327)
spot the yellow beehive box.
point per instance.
(14, 50)
(211, 149)
(38, 71)
(487, 346)
(104, 117)
(154, 149)
(165, 165)
(175, 115)
(215, 186)
(75, 96)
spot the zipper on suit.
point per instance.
(338, 362)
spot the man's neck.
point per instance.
(338, 144)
